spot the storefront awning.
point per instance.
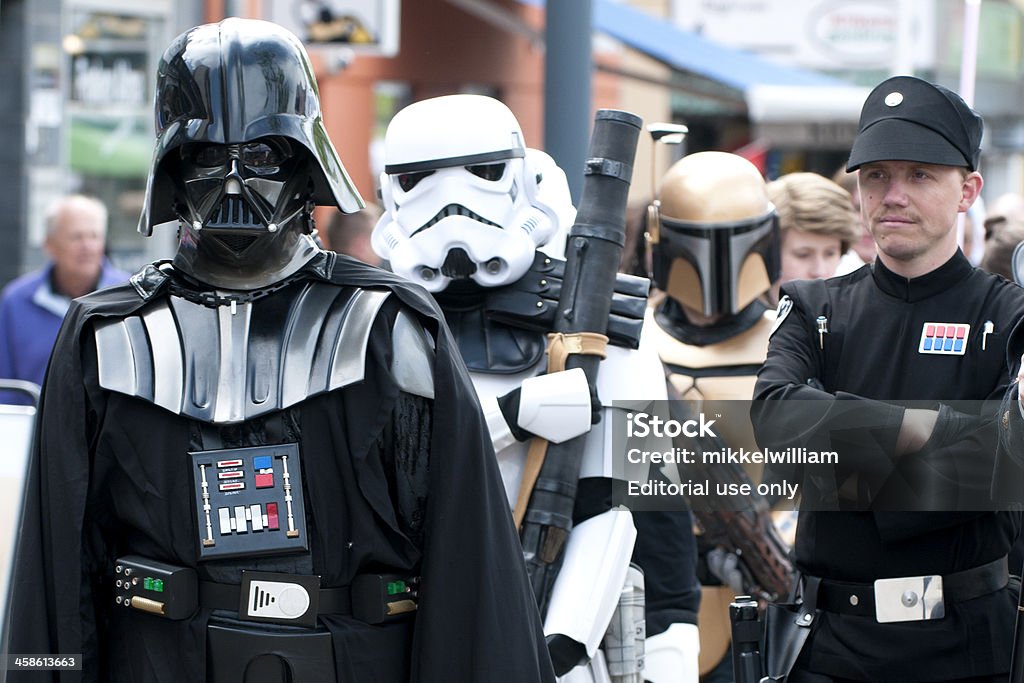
(772, 92)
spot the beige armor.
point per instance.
(715, 250)
(745, 349)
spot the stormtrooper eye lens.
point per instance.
(488, 171)
(210, 156)
(267, 153)
(407, 181)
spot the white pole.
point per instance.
(969, 55)
(903, 54)
(968, 74)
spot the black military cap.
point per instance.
(907, 119)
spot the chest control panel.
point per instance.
(249, 501)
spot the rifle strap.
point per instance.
(531, 470)
(560, 347)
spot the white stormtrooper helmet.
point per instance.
(463, 196)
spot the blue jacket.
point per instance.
(31, 314)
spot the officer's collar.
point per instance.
(916, 289)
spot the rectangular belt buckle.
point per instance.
(909, 598)
(275, 598)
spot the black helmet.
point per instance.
(241, 154)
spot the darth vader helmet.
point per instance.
(241, 156)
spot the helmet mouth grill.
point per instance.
(234, 212)
(458, 265)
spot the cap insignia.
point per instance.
(893, 99)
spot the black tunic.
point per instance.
(110, 476)
(870, 356)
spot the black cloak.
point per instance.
(109, 476)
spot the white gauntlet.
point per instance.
(556, 406)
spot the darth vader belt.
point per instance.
(279, 598)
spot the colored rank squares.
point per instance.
(946, 339)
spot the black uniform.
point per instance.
(392, 483)
(1008, 481)
(876, 320)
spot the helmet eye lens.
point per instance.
(265, 154)
(490, 172)
(210, 156)
(407, 181)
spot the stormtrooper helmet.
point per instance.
(464, 198)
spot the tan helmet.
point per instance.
(715, 234)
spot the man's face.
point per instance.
(910, 208)
(76, 245)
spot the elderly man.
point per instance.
(32, 307)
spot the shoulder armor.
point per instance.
(532, 301)
(231, 363)
(492, 347)
(150, 279)
(413, 356)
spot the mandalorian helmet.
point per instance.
(241, 154)
(714, 234)
(464, 198)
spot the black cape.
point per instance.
(109, 476)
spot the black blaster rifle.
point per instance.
(592, 259)
(746, 530)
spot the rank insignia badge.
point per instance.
(944, 339)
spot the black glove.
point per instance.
(509, 404)
(595, 405)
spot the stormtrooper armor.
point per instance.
(477, 218)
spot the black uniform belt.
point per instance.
(227, 596)
(859, 598)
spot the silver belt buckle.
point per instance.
(909, 598)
